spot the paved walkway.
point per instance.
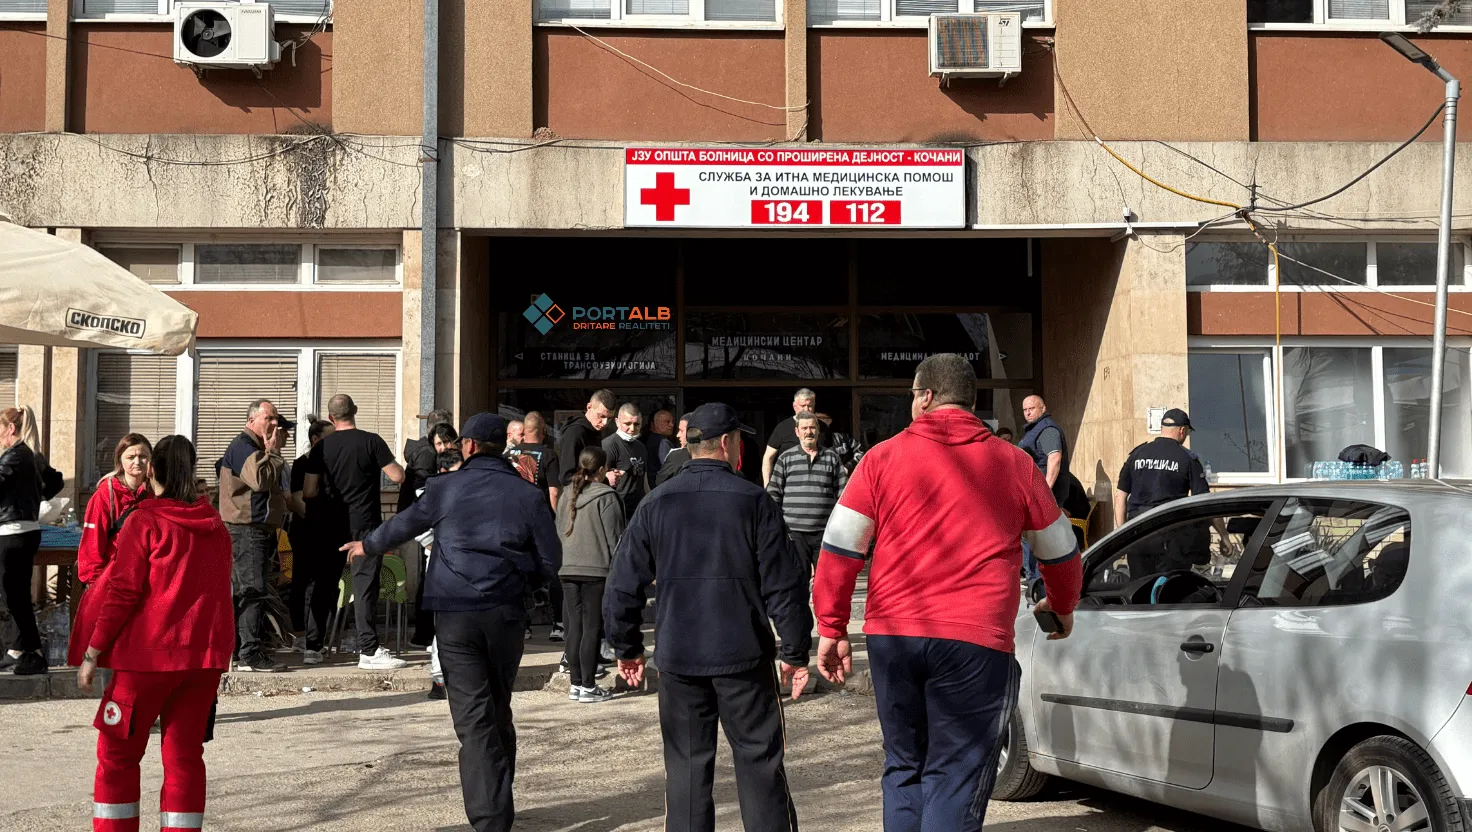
(363, 761)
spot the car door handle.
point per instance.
(1197, 647)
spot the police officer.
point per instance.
(717, 544)
(1156, 473)
(494, 541)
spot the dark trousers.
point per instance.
(301, 578)
(749, 707)
(17, 558)
(253, 547)
(365, 597)
(584, 598)
(319, 566)
(808, 546)
(942, 707)
(479, 655)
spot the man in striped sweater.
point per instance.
(806, 482)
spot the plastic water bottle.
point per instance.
(58, 629)
(70, 521)
(1206, 468)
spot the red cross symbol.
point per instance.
(664, 196)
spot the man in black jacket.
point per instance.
(583, 431)
(629, 456)
(677, 459)
(419, 465)
(494, 540)
(719, 548)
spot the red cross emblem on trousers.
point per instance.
(664, 196)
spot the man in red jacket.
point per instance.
(945, 506)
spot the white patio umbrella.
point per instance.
(61, 294)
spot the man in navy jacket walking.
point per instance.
(719, 548)
(494, 540)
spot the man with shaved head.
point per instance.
(1043, 440)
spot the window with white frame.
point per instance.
(228, 383)
(153, 264)
(131, 394)
(1347, 13)
(841, 12)
(338, 264)
(9, 369)
(1231, 398)
(247, 263)
(1335, 393)
(660, 12)
(226, 264)
(370, 380)
(287, 11)
(22, 9)
(1322, 264)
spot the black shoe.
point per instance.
(7, 661)
(437, 692)
(602, 673)
(30, 664)
(259, 664)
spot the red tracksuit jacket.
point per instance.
(108, 503)
(945, 505)
(164, 602)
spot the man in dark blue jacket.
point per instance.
(719, 548)
(494, 541)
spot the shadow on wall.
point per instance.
(125, 81)
(1081, 278)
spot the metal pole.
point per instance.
(1443, 270)
(429, 205)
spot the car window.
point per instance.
(1186, 559)
(1331, 552)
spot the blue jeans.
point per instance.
(942, 706)
(1030, 567)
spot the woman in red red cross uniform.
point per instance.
(160, 616)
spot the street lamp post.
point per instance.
(1414, 54)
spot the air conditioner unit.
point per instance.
(225, 35)
(976, 45)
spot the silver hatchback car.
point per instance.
(1293, 657)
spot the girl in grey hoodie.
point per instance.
(590, 519)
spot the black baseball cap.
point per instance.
(284, 423)
(1175, 418)
(711, 421)
(485, 427)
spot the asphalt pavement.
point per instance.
(366, 761)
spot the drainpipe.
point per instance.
(429, 207)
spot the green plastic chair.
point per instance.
(393, 582)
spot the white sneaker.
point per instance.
(573, 692)
(312, 656)
(382, 660)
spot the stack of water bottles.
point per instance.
(1339, 470)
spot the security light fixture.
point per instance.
(1412, 52)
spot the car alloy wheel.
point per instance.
(1381, 799)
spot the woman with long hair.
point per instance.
(161, 617)
(590, 518)
(116, 494)
(22, 472)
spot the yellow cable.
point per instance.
(1157, 183)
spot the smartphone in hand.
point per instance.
(1048, 621)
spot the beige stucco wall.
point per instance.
(1142, 69)
(795, 46)
(58, 42)
(1114, 345)
(409, 353)
(377, 67)
(373, 182)
(486, 68)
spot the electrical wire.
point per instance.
(626, 56)
(1355, 181)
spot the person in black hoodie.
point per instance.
(719, 549)
(25, 480)
(421, 463)
(582, 432)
